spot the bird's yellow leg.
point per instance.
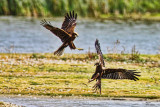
(94, 78)
(79, 48)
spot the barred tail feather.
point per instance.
(60, 50)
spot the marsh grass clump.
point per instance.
(116, 57)
(91, 55)
(1, 103)
(34, 55)
(135, 55)
(116, 54)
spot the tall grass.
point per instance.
(93, 8)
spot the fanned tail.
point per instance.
(60, 51)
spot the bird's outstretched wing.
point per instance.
(120, 74)
(63, 35)
(99, 52)
(69, 22)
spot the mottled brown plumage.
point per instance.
(101, 72)
(66, 33)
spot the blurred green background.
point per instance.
(84, 8)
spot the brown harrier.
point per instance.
(101, 72)
(66, 33)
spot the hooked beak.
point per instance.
(95, 64)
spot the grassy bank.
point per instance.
(4, 104)
(46, 74)
(85, 8)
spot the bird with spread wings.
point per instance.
(66, 33)
(102, 73)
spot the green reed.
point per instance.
(92, 8)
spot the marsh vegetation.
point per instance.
(92, 8)
(46, 74)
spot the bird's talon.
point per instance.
(79, 48)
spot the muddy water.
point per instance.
(26, 35)
(74, 102)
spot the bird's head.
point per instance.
(97, 64)
(75, 34)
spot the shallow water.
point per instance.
(26, 35)
(64, 102)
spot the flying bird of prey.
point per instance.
(66, 33)
(102, 73)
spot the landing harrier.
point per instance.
(66, 33)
